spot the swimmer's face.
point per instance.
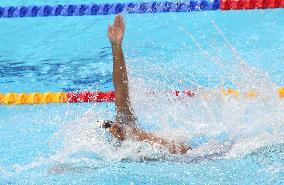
(117, 131)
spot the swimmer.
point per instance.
(124, 127)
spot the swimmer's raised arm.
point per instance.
(124, 112)
(120, 78)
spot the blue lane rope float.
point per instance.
(106, 8)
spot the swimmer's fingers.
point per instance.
(179, 148)
(110, 31)
(122, 25)
(116, 31)
(116, 21)
(120, 21)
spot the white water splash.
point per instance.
(246, 123)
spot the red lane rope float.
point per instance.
(250, 4)
(90, 97)
(74, 97)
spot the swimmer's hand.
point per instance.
(178, 148)
(173, 147)
(116, 31)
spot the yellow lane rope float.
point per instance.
(233, 92)
(72, 97)
(33, 98)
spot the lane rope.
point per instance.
(88, 97)
(135, 7)
(107, 8)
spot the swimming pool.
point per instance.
(73, 54)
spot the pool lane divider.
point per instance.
(107, 8)
(56, 97)
(62, 97)
(78, 97)
(135, 7)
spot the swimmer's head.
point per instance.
(105, 123)
(114, 128)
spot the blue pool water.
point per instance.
(237, 141)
